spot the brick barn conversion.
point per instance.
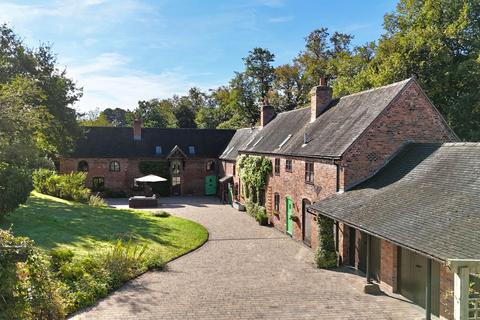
(383, 164)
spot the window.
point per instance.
(191, 149)
(309, 172)
(277, 167)
(114, 166)
(175, 167)
(288, 165)
(276, 202)
(175, 181)
(210, 165)
(158, 150)
(83, 166)
(98, 184)
(234, 167)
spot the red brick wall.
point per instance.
(193, 173)
(410, 117)
(389, 264)
(446, 292)
(293, 184)
(99, 167)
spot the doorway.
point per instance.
(413, 279)
(176, 186)
(288, 215)
(306, 223)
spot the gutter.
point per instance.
(441, 260)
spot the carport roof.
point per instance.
(426, 199)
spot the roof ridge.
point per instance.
(405, 81)
(460, 144)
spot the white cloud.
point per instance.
(108, 81)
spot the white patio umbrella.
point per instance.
(150, 178)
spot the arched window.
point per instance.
(114, 166)
(211, 165)
(83, 166)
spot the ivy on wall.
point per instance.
(159, 168)
(254, 172)
(326, 256)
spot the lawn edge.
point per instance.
(201, 245)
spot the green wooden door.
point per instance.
(289, 211)
(210, 185)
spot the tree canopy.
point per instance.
(437, 41)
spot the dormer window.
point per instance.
(191, 150)
(158, 150)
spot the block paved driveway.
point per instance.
(245, 271)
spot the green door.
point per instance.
(289, 207)
(210, 185)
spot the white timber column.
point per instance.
(460, 293)
(462, 269)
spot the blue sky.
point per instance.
(122, 51)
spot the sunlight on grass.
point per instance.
(53, 222)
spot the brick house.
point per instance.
(415, 225)
(112, 157)
(332, 146)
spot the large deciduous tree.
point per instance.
(57, 90)
(156, 113)
(438, 41)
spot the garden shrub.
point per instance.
(161, 214)
(326, 255)
(60, 256)
(28, 289)
(69, 186)
(15, 187)
(261, 216)
(97, 201)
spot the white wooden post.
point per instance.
(460, 293)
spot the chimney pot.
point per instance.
(137, 130)
(320, 98)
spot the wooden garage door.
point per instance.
(413, 275)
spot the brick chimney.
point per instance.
(267, 113)
(320, 97)
(137, 129)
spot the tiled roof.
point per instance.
(113, 142)
(332, 132)
(239, 141)
(426, 199)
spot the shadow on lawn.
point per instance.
(51, 223)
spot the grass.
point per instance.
(52, 222)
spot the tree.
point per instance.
(289, 88)
(156, 113)
(242, 101)
(258, 67)
(184, 112)
(117, 117)
(216, 110)
(58, 91)
(438, 41)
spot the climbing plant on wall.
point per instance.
(254, 172)
(326, 256)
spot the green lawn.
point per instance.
(53, 222)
